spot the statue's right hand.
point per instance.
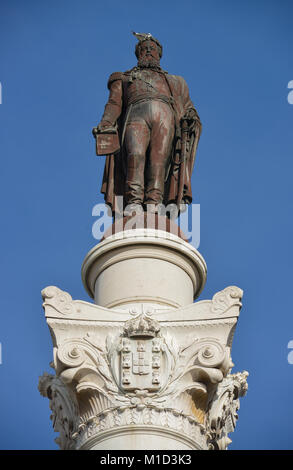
(106, 127)
(95, 132)
(102, 127)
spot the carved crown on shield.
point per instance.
(142, 325)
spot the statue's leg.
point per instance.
(161, 140)
(137, 135)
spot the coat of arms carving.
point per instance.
(141, 355)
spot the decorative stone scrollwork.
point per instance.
(58, 299)
(226, 298)
(222, 415)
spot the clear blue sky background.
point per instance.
(236, 57)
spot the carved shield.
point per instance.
(140, 366)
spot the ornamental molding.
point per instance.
(148, 243)
(225, 303)
(157, 419)
(171, 324)
(143, 431)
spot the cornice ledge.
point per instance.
(59, 304)
(224, 304)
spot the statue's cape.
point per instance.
(115, 166)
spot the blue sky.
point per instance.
(236, 57)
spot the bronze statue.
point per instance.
(149, 132)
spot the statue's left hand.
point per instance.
(190, 115)
(192, 119)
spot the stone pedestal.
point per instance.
(144, 367)
(143, 266)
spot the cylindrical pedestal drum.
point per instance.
(143, 266)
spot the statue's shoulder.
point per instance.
(115, 76)
(178, 84)
(176, 78)
(124, 76)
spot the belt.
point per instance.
(166, 99)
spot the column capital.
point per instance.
(143, 371)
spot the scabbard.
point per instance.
(182, 166)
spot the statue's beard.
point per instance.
(149, 63)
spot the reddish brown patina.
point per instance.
(155, 131)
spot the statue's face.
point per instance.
(149, 52)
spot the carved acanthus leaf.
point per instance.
(65, 416)
(82, 360)
(192, 368)
(204, 355)
(222, 415)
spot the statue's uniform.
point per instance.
(148, 132)
(148, 105)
